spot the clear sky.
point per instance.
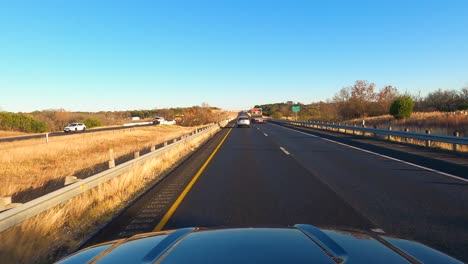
(116, 55)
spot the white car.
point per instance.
(157, 120)
(243, 122)
(162, 121)
(74, 127)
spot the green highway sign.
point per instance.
(296, 108)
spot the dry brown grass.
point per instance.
(48, 236)
(4, 134)
(438, 122)
(434, 144)
(29, 167)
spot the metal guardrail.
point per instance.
(27, 210)
(428, 138)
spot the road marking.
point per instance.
(184, 193)
(266, 135)
(380, 155)
(285, 151)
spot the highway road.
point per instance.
(269, 175)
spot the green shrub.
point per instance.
(402, 107)
(21, 122)
(463, 106)
(277, 115)
(92, 122)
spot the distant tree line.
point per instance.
(56, 119)
(443, 100)
(363, 99)
(21, 122)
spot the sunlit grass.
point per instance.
(433, 144)
(4, 134)
(438, 122)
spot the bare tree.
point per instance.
(443, 100)
(385, 98)
(463, 93)
(362, 95)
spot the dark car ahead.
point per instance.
(298, 244)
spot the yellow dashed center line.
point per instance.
(184, 193)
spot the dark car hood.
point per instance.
(298, 244)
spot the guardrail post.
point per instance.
(111, 159)
(153, 148)
(175, 140)
(165, 143)
(5, 203)
(47, 138)
(428, 142)
(354, 131)
(406, 130)
(136, 154)
(455, 146)
(389, 137)
(70, 179)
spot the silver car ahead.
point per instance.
(243, 122)
(74, 127)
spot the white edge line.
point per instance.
(266, 135)
(380, 155)
(285, 151)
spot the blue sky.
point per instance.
(118, 55)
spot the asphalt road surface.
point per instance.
(269, 175)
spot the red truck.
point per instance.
(257, 115)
